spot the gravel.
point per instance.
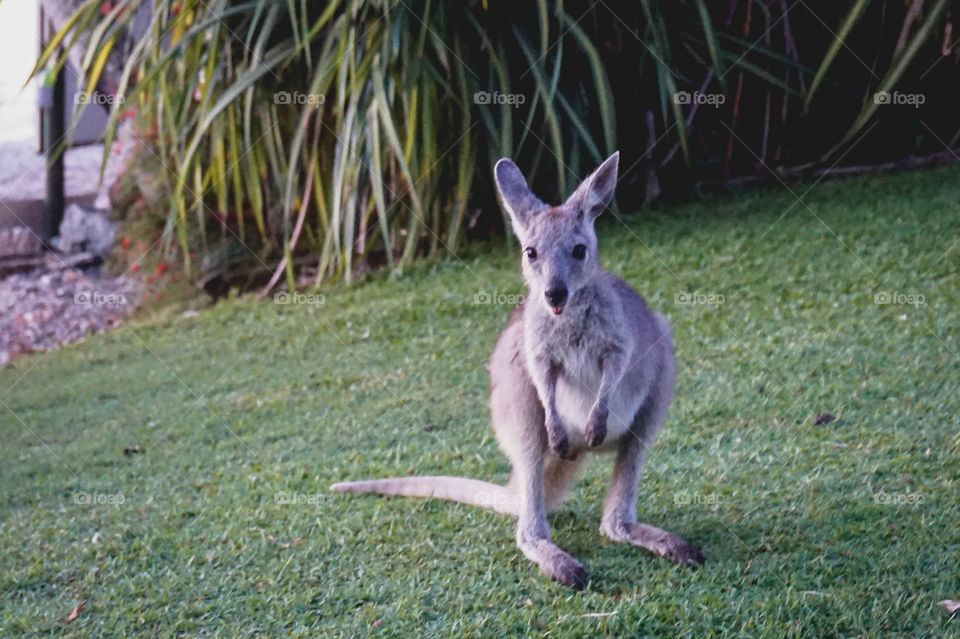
(49, 307)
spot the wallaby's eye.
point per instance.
(579, 251)
(531, 253)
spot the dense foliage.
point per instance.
(360, 133)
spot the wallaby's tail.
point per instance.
(460, 489)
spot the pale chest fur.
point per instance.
(578, 343)
(576, 394)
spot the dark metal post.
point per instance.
(54, 149)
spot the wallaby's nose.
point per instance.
(556, 295)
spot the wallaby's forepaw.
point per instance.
(596, 430)
(559, 444)
(557, 439)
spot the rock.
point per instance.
(86, 230)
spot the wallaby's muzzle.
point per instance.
(556, 294)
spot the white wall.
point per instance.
(18, 51)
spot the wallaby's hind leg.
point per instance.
(558, 477)
(533, 530)
(518, 421)
(620, 508)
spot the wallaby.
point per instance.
(582, 365)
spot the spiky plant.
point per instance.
(361, 132)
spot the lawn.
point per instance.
(173, 474)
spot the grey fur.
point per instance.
(589, 370)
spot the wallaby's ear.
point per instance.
(595, 192)
(517, 198)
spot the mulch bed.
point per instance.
(56, 304)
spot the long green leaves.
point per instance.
(359, 133)
(838, 41)
(897, 67)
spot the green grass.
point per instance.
(842, 529)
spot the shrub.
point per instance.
(360, 133)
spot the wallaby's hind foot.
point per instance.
(554, 562)
(658, 541)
